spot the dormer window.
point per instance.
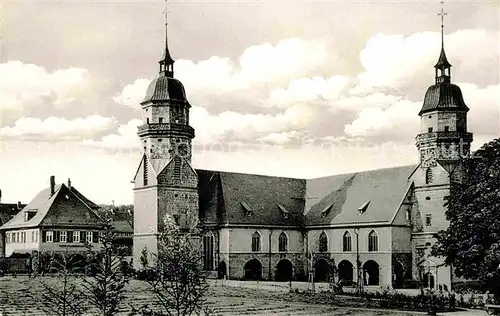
(326, 210)
(29, 214)
(284, 211)
(246, 208)
(363, 207)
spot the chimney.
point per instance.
(0, 196)
(19, 205)
(52, 185)
(69, 184)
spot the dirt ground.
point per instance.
(20, 296)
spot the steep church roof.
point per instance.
(249, 199)
(63, 208)
(364, 197)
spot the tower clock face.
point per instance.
(183, 150)
(428, 157)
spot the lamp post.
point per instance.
(358, 263)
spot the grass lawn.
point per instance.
(20, 296)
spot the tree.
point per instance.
(62, 296)
(105, 289)
(180, 283)
(471, 244)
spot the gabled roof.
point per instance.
(224, 196)
(63, 208)
(8, 211)
(383, 188)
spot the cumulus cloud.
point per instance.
(57, 128)
(125, 139)
(24, 85)
(401, 120)
(132, 94)
(397, 61)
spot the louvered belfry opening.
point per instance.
(177, 168)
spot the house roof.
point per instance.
(8, 211)
(249, 199)
(63, 208)
(364, 197)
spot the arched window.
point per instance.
(256, 242)
(428, 176)
(346, 241)
(283, 242)
(372, 241)
(208, 251)
(323, 242)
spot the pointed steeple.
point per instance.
(166, 62)
(443, 67)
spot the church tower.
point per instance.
(442, 141)
(164, 183)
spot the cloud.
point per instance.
(26, 85)
(132, 94)
(402, 62)
(401, 119)
(125, 139)
(57, 128)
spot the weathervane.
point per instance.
(442, 14)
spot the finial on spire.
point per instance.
(442, 14)
(166, 62)
(442, 66)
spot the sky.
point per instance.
(287, 88)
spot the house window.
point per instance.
(408, 215)
(63, 236)
(256, 242)
(372, 241)
(76, 236)
(89, 237)
(50, 236)
(346, 241)
(145, 169)
(428, 220)
(446, 128)
(430, 129)
(323, 242)
(147, 120)
(95, 237)
(160, 120)
(208, 250)
(23, 237)
(283, 242)
(428, 176)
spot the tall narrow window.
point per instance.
(145, 169)
(430, 129)
(372, 241)
(283, 242)
(428, 220)
(446, 128)
(428, 176)
(76, 236)
(256, 242)
(88, 237)
(160, 120)
(323, 242)
(50, 236)
(63, 236)
(208, 250)
(346, 241)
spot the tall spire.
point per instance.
(166, 62)
(443, 67)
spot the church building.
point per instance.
(376, 225)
